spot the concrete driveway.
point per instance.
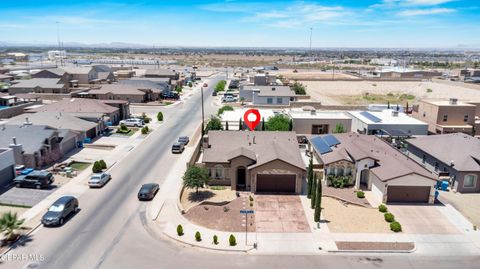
(422, 219)
(280, 214)
(25, 196)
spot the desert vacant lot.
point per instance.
(368, 92)
(311, 74)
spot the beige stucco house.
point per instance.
(255, 161)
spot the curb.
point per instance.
(21, 237)
(376, 251)
(206, 247)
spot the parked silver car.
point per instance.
(133, 122)
(99, 180)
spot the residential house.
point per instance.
(161, 84)
(233, 118)
(162, 73)
(255, 161)
(310, 121)
(61, 74)
(84, 108)
(82, 75)
(389, 122)
(453, 157)
(446, 116)
(263, 80)
(267, 95)
(35, 145)
(130, 93)
(7, 166)
(369, 163)
(39, 85)
(5, 78)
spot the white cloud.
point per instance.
(426, 2)
(423, 12)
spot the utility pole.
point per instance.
(311, 32)
(203, 114)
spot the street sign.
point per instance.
(246, 211)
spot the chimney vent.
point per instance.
(14, 140)
(394, 113)
(453, 101)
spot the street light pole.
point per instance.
(203, 113)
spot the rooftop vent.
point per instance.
(394, 113)
(313, 112)
(273, 88)
(453, 101)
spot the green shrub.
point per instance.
(429, 90)
(97, 167)
(389, 217)
(160, 116)
(360, 194)
(382, 208)
(223, 109)
(103, 164)
(250, 198)
(220, 85)
(123, 128)
(198, 237)
(232, 241)
(339, 181)
(190, 84)
(395, 226)
(179, 230)
(145, 130)
(215, 239)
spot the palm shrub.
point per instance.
(232, 241)
(389, 217)
(198, 237)
(382, 208)
(395, 226)
(215, 239)
(179, 230)
(9, 224)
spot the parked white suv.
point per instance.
(133, 122)
(229, 99)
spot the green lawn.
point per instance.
(79, 166)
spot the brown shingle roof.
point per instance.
(118, 89)
(77, 105)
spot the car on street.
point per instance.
(178, 147)
(60, 210)
(184, 140)
(99, 180)
(133, 122)
(229, 99)
(205, 85)
(170, 95)
(214, 93)
(148, 191)
(35, 179)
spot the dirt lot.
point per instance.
(367, 92)
(311, 74)
(463, 202)
(350, 218)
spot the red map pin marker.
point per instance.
(251, 124)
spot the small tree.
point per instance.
(214, 124)
(123, 128)
(103, 164)
(215, 239)
(190, 84)
(9, 224)
(145, 130)
(160, 116)
(179, 230)
(318, 202)
(299, 88)
(97, 167)
(195, 177)
(178, 88)
(232, 241)
(310, 178)
(339, 129)
(223, 109)
(198, 236)
(278, 122)
(314, 193)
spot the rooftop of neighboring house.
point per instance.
(311, 113)
(77, 105)
(387, 116)
(119, 89)
(77, 70)
(271, 90)
(461, 150)
(57, 71)
(237, 114)
(147, 83)
(353, 147)
(103, 75)
(445, 102)
(2, 76)
(160, 72)
(50, 83)
(261, 147)
(56, 120)
(32, 137)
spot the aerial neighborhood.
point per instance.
(122, 155)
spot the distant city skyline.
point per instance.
(230, 23)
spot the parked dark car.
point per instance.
(170, 95)
(184, 140)
(64, 207)
(178, 147)
(214, 93)
(148, 191)
(35, 179)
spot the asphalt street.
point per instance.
(110, 231)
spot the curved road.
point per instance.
(110, 231)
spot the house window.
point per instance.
(436, 166)
(339, 171)
(470, 181)
(424, 159)
(279, 100)
(269, 100)
(465, 118)
(218, 171)
(445, 118)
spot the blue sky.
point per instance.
(341, 23)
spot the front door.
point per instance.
(241, 174)
(364, 179)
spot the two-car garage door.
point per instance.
(276, 183)
(408, 194)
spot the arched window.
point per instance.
(218, 171)
(470, 181)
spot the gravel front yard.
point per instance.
(348, 218)
(466, 203)
(190, 199)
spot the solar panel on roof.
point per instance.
(320, 145)
(331, 140)
(369, 116)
